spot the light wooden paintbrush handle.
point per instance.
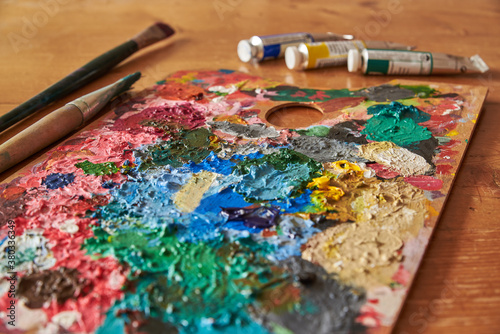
(40, 135)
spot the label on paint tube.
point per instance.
(398, 62)
(274, 45)
(327, 54)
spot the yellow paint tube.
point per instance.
(325, 54)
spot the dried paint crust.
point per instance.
(185, 212)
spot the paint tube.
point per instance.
(326, 54)
(412, 62)
(273, 46)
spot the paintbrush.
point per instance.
(59, 123)
(86, 74)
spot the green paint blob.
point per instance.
(315, 131)
(396, 123)
(183, 282)
(185, 146)
(105, 168)
(281, 160)
(421, 91)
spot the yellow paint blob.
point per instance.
(324, 193)
(190, 195)
(343, 166)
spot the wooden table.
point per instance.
(457, 289)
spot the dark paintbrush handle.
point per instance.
(70, 83)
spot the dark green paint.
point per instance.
(105, 168)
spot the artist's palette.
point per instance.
(185, 211)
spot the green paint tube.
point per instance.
(399, 62)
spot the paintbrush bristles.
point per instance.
(153, 34)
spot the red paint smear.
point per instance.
(442, 109)
(340, 103)
(443, 169)
(185, 114)
(402, 276)
(446, 150)
(12, 193)
(369, 317)
(425, 182)
(383, 171)
(299, 93)
(441, 124)
(320, 95)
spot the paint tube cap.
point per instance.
(353, 60)
(246, 51)
(293, 58)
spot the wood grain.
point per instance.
(457, 289)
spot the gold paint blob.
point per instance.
(359, 253)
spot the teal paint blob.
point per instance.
(396, 123)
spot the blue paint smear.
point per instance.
(239, 225)
(226, 197)
(296, 204)
(212, 163)
(58, 180)
(264, 183)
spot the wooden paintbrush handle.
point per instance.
(40, 135)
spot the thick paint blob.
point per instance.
(58, 180)
(332, 312)
(396, 158)
(184, 147)
(387, 92)
(105, 168)
(39, 288)
(396, 123)
(261, 217)
(325, 149)
(252, 131)
(347, 132)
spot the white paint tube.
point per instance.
(326, 54)
(273, 46)
(371, 61)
